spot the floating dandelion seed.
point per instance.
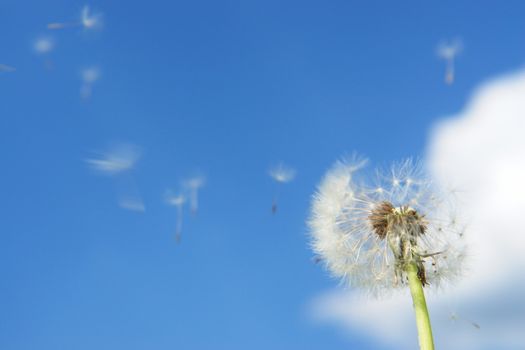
(193, 185)
(88, 20)
(177, 200)
(448, 51)
(455, 317)
(57, 25)
(89, 77)
(6, 69)
(118, 159)
(44, 45)
(393, 233)
(281, 174)
(132, 203)
(118, 162)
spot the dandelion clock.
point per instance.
(396, 229)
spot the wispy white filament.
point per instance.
(193, 185)
(6, 68)
(88, 20)
(118, 159)
(177, 200)
(118, 162)
(132, 203)
(343, 237)
(43, 45)
(282, 173)
(89, 77)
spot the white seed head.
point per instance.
(282, 173)
(364, 231)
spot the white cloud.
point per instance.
(482, 152)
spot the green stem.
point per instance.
(424, 329)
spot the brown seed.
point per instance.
(379, 218)
(421, 274)
(417, 221)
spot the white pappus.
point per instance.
(448, 52)
(178, 201)
(88, 20)
(364, 231)
(281, 174)
(193, 185)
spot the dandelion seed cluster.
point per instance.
(366, 232)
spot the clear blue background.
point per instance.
(225, 88)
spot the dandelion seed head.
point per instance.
(364, 233)
(282, 173)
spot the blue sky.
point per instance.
(225, 89)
